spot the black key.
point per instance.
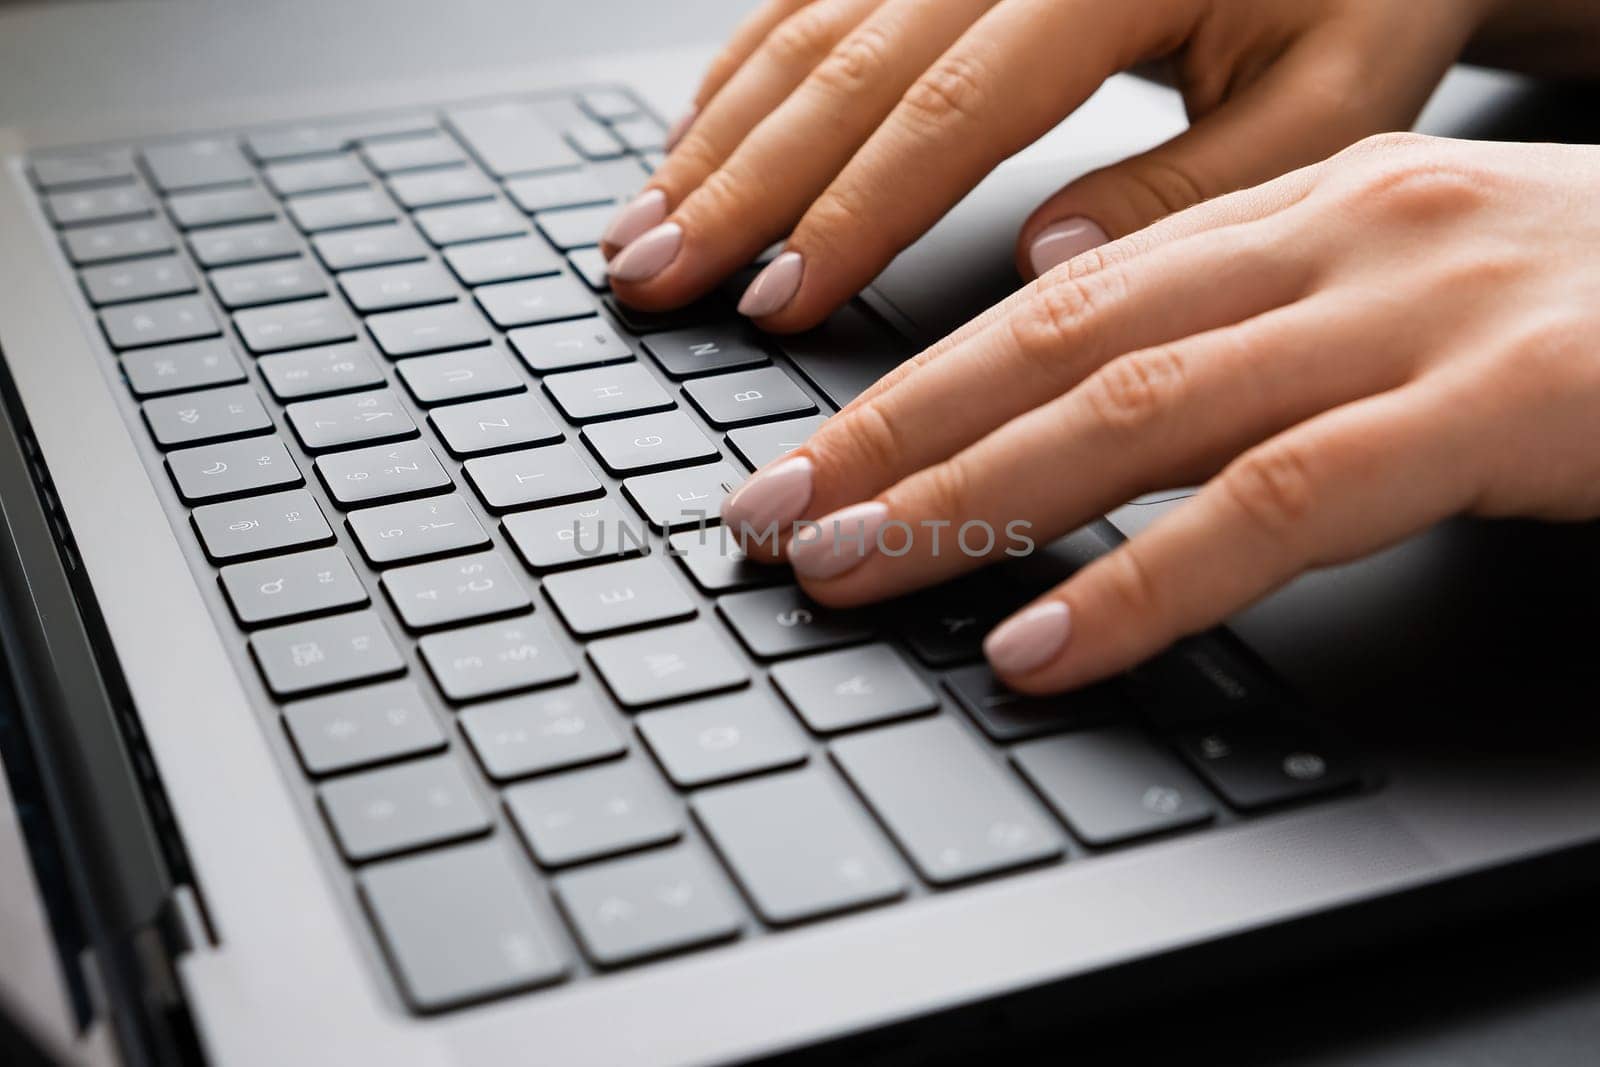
(386, 472)
(1008, 716)
(259, 525)
(107, 204)
(648, 442)
(748, 396)
(673, 500)
(503, 260)
(852, 688)
(470, 222)
(175, 368)
(947, 625)
(954, 812)
(80, 167)
(511, 139)
(244, 244)
(356, 419)
(538, 300)
(233, 468)
(608, 105)
(191, 164)
(562, 189)
(454, 376)
(298, 325)
(606, 392)
(317, 175)
(397, 809)
(666, 663)
(717, 565)
(1202, 680)
(307, 656)
(416, 529)
(846, 354)
(319, 371)
(643, 906)
(267, 283)
(297, 586)
(400, 286)
(492, 425)
(369, 246)
(158, 322)
(119, 240)
(316, 212)
(393, 155)
(589, 814)
(594, 141)
(594, 531)
(760, 445)
(209, 415)
(375, 724)
(219, 207)
(494, 658)
(568, 345)
(1257, 761)
(490, 941)
(139, 279)
(430, 595)
(704, 350)
(429, 329)
(618, 596)
(540, 732)
(641, 133)
(800, 848)
(434, 188)
(722, 737)
(575, 227)
(784, 622)
(1112, 785)
(531, 476)
(590, 263)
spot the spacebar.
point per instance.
(847, 353)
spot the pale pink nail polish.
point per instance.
(1060, 241)
(843, 541)
(681, 127)
(648, 255)
(774, 287)
(1029, 639)
(764, 506)
(635, 217)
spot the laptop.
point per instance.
(381, 692)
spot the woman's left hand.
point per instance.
(1344, 356)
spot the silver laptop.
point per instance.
(382, 693)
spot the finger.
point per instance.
(763, 187)
(746, 38)
(1347, 483)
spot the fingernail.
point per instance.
(1060, 241)
(844, 539)
(635, 217)
(648, 255)
(773, 499)
(1029, 639)
(774, 287)
(681, 127)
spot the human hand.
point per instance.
(1344, 356)
(849, 127)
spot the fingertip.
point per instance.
(1029, 641)
(1056, 242)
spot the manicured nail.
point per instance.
(648, 255)
(1029, 639)
(635, 217)
(773, 287)
(681, 127)
(771, 500)
(1060, 241)
(842, 541)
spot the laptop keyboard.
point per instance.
(451, 498)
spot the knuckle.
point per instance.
(801, 39)
(1061, 314)
(865, 440)
(1421, 191)
(838, 218)
(944, 489)
(1133, 393)
(1166, 184)
(953, 92)
(723, 196)
(856, 63)
(1132, 585)
(1273, 488)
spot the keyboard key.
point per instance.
(191, 164)
(532, 476)
(760, 445)
(608, 105)
(297, 586)
(717, 565)
(400, 286)
(538, 300)
(317, 212)
(590, 814)
(234, 468)
(590, 263)
(540, 732)
(492, 425)
(1008, 716)
(563, 189)
(852, 688)
(433, 188)
(749, 396)
(267, 283)
(291, 142)
(453, 376)
(785, 622)
(470, 222)
(575, 227)
(140, 279)
(368, 246)
(722, 737)
(209, 415)
(704, 350)
(502, 261)
(258, 525)
(374, 724)
(618, 596)
(416, 529)
(693, 496)
(648, 442)
(490, 941)
(799, 847)
(947, 625)
(120, 240)
(400, 808)
(368, 475)
(954, 812)
(307, 656)
(412, 153)
(1202, 680)
(666, 663)
(641, 133)
(174, 368)
(606, 392)
(244, 244)
(429, 329)
(591, 532)
(511, 139)
(430, 595)
(319, 371)
(494, 658)
(643, 906)
(1256, 761)
(568, 345)
(317, 175)
(356, 419)
(298, 325)
(79, 167)
(158, 322)
(219, 207)
(109, 204)
(594, 141)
